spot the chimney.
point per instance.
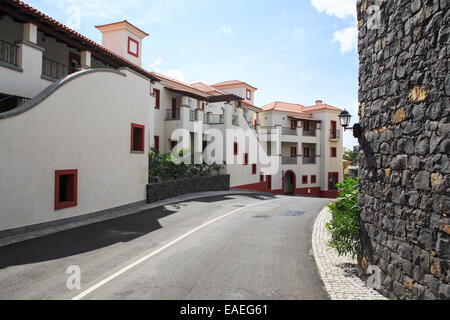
(124, 39)
(319, 102)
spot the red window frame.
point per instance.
(130, 39)
(71, 190)
(261, 177)
(254, 168)
(304, 179)
(333, 129)
(157, 93)
(156, 143)
(245, 159)
(140, 138)
(293, 152)
(313, 179)
(333, 152)
(249, 94)
(236, 149)
(306, 152)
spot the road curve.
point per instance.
(232, 247)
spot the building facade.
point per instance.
(77, 120)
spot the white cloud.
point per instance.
(226, 29)
(155, 65)
(175, 74)
(304, 76)
(338, 8)
(347, 38)
(299, 33)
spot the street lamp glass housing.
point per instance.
(345, 118)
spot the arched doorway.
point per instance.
(289, 182)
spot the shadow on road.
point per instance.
(98, 235)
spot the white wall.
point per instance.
(84, 125)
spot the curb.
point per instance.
(337, 274)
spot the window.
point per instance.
(236, 149)
(249, 95)
(261, 177)
(333, 134)
(137, 138)
(333, 152)
(66, 184)
(269, 182)
(306, 126)
(203, 106)
(133, 47)
(157, 93)
(313, 179)
(157, 143)
(245, 159)
(305, 179)
(306, 152)
(254, 169)
(293, 124)
(293, 152)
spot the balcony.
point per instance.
(335, 135)
(8, 53)
(289, 132)
(216, 119)
(309, 160)
(54, 70)
(309, 133)
(11, 102)
(193, 115)
(289, 160)
(173, 114)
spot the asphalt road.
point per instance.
(243, 246)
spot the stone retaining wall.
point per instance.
(164, 190)
(404, 167)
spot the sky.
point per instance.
(296, 51)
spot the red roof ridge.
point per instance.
(119, 22)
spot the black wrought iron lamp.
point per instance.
(344, 118)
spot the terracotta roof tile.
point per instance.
(231, 83)
(120, 22)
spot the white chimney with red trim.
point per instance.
(124, 39)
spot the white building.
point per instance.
(77, 120)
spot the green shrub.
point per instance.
(163, 168)
(344, 223)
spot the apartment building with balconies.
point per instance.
(84, 116)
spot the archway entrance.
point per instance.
(289, 183)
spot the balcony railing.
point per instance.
(8, 52)
(55, 70)
(235, 121)
(335, 134)
(216, 119)
(309, 133)
(289, 132)
(289, 160)
(173, 114)
(309, 160)
(11, 102)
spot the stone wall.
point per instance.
(164, 190)
(404, 167)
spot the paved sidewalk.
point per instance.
(338, 273)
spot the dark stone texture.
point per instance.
(405, 145)
(164, 190)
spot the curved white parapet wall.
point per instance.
(82, 122)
